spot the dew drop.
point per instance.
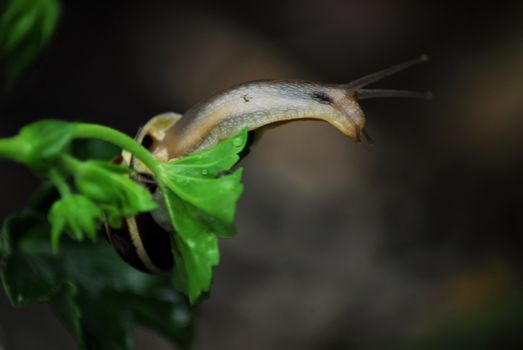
(237, 141)
(205, 172)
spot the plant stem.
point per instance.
(59, 182)
(117, 138)
(11, 148)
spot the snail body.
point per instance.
(143, 241)
(260, 103)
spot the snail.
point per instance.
(143, 241)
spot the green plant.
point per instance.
(85, 280)
(26, 27)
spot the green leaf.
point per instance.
(197, 180)
(41, 143)
(202, 205)
(108, 185)
(26, 26)
(27, 279)
(20, 29)
(213, 161)
(99, 297)
(66, 307)
(195, 249)
(49, 21)
(161, 311)
(47, 196)
(76, 214)
(107, 193)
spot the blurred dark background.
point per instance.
(412, 243)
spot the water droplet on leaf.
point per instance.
(237, 141)
(205, 172)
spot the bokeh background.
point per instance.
(412, 243)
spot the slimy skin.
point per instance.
(257, 104)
